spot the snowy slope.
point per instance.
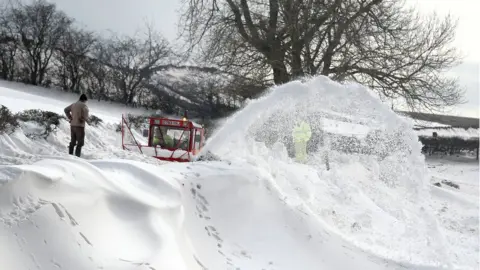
(461, 133)
(18, 97)
(427, 128)
(258, 210)
(457, 209)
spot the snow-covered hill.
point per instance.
(256, 210)
(18, 97)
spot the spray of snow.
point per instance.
(379, 202)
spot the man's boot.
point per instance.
(78, 151)
(70, 150)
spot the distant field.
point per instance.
(454, 121)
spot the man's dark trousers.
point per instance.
(77, 138)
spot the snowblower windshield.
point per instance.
(170, 137)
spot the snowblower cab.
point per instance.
(177, 140)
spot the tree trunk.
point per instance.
(131, 95)
(280, 74)
(33, 77)
(297, 69)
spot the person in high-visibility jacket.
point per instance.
(301, 135)
(162, 139)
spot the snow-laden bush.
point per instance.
(94, 121)
(8, 121)
(48, 122)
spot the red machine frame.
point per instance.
(184, 125)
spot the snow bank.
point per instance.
(66, 213)
(115, 214)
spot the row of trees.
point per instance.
(244, 47)
(40, 45)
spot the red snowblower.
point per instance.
(175, 140)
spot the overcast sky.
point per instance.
(127, 16)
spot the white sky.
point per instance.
(467, 37)
(467, 41)
(128, 16)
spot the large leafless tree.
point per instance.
(72, 54)
(97, 74)
(134, 60)
(379, 43)
(39, 27)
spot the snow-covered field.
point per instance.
(31, 97)
(457, 209)
(257, 209)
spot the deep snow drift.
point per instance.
(258, 209)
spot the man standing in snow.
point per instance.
(77, 114)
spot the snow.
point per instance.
(255, 209)
(461, 133)
(18, 97)
(426, 129)
(345, 128)
(457, 209)
(159, 152)
(422, 123)
(78, 215)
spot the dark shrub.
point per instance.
(8, 121)
(94, 121)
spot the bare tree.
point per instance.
(71, 54)
(379, 43)
(40, 27)
(8, 48)
(97, 77)
(133, 61)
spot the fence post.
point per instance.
(123, 144)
